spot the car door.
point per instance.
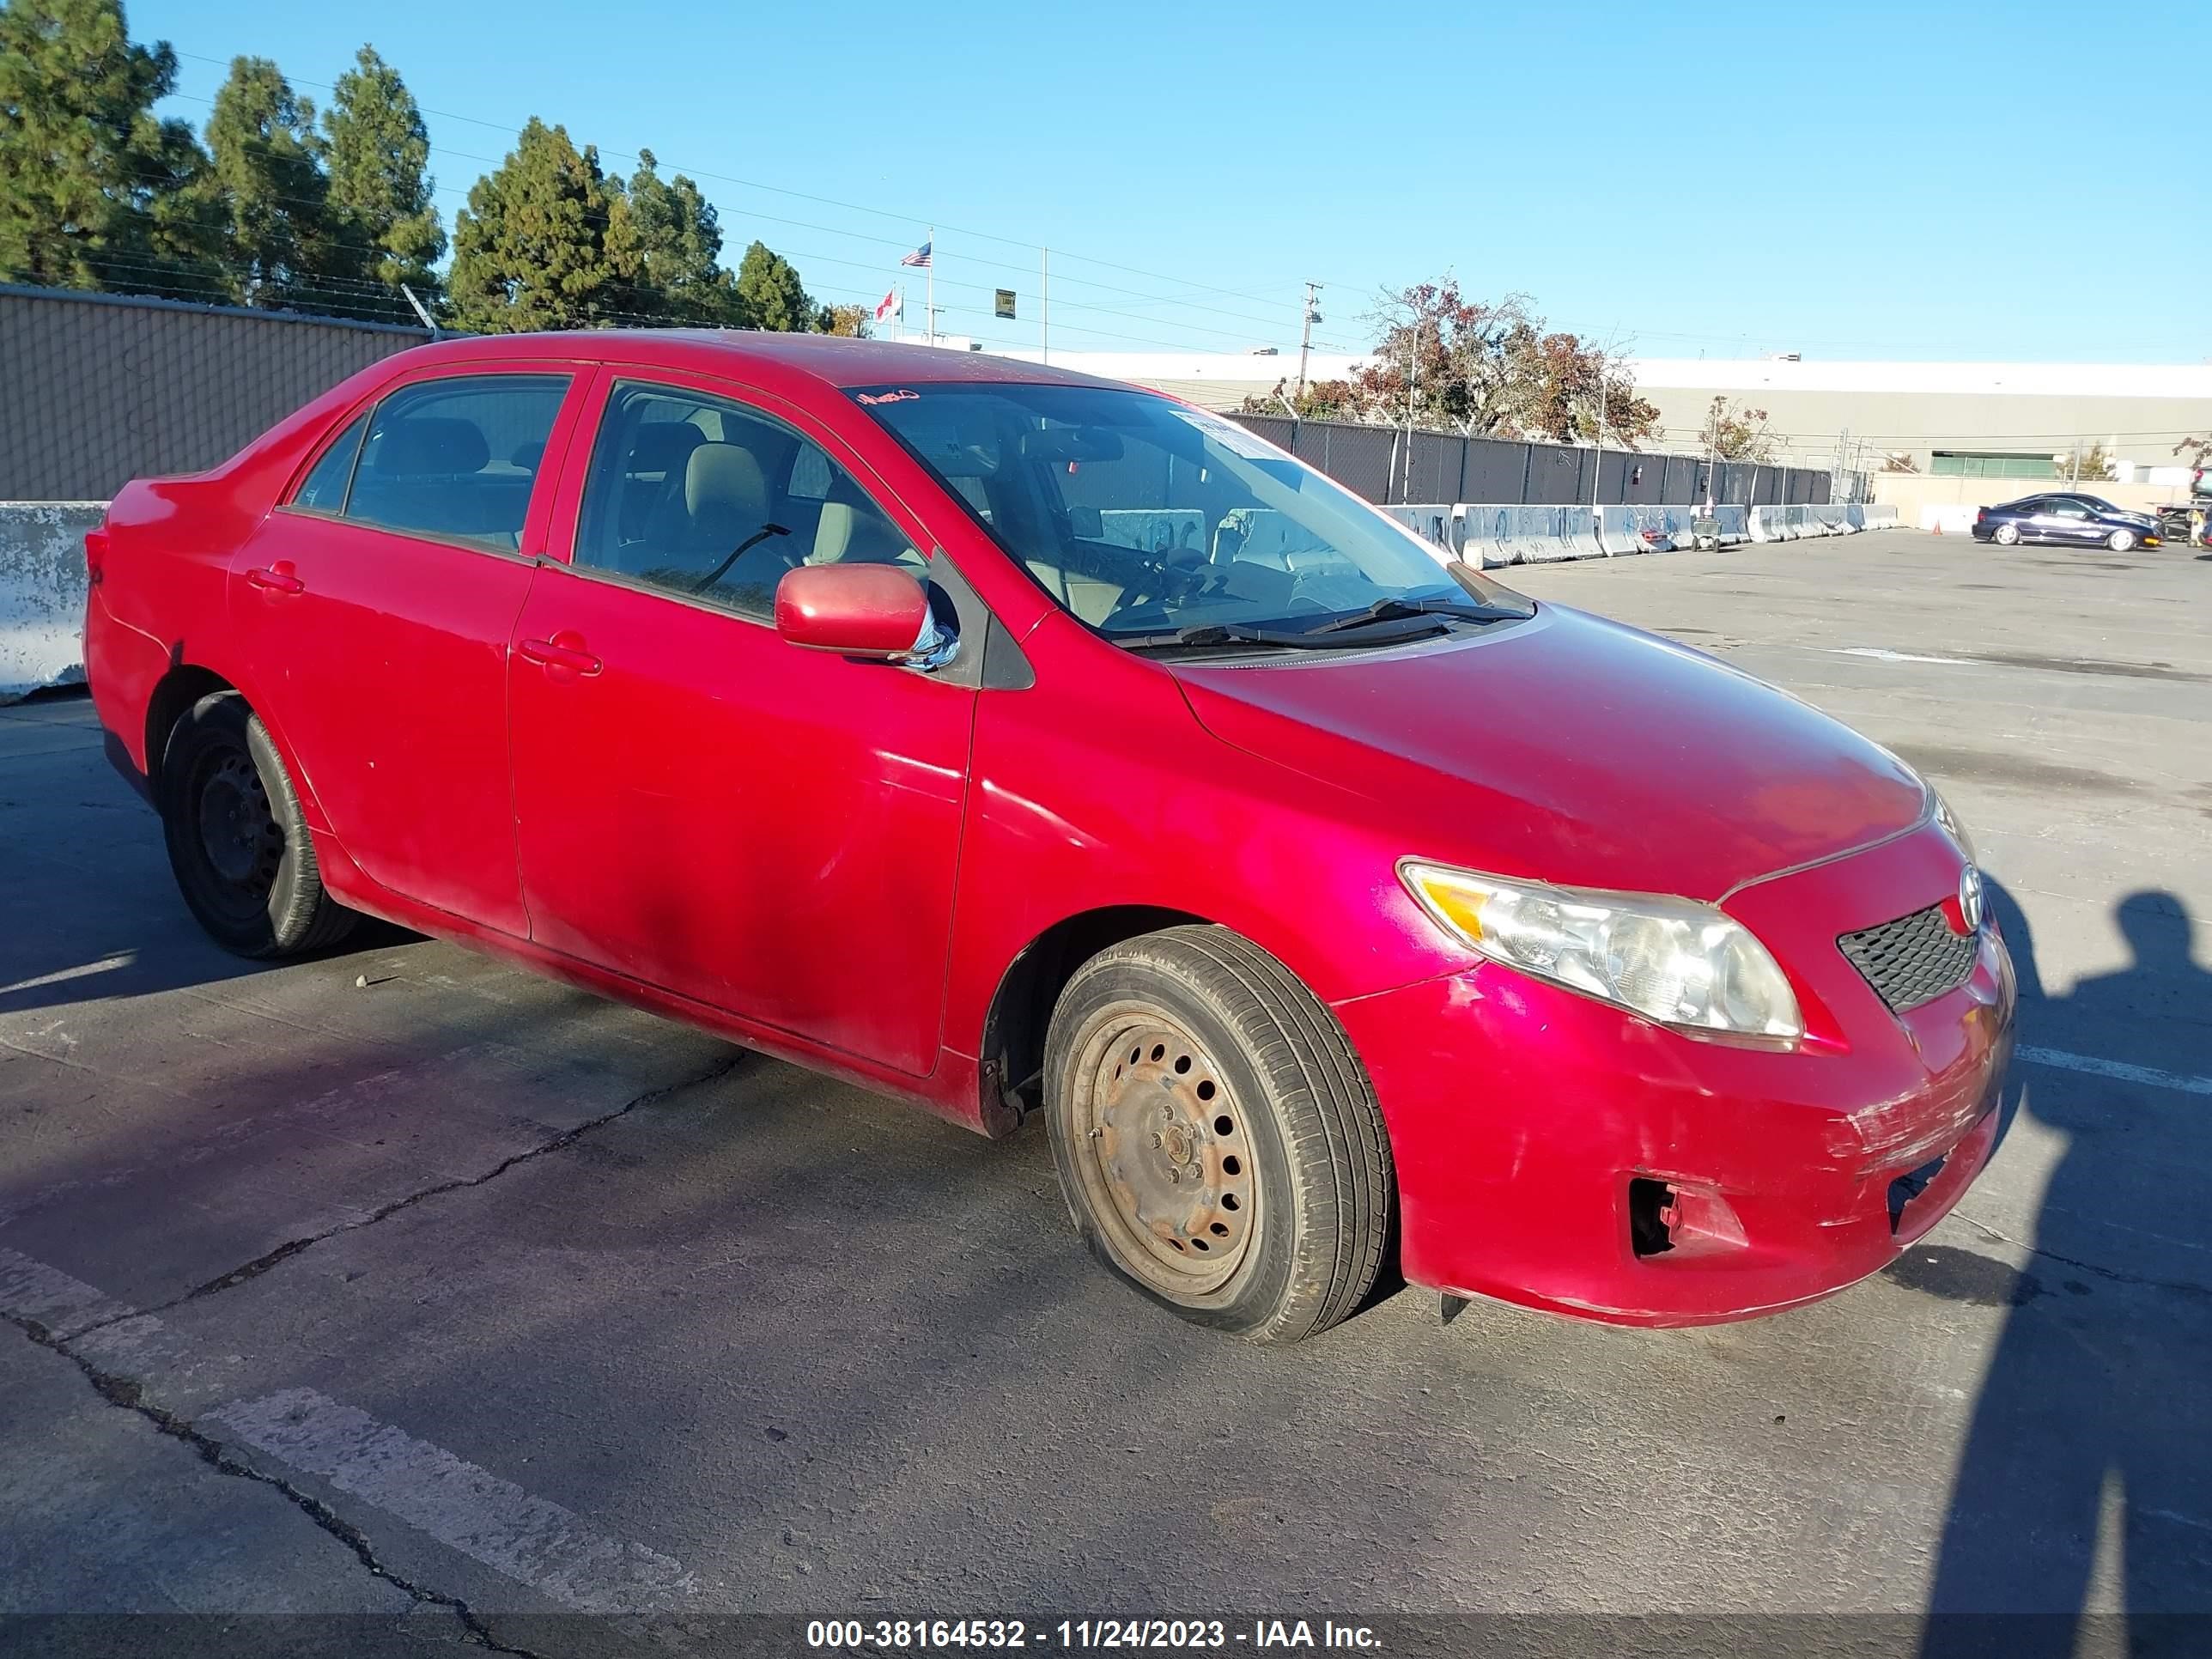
(2073, 522)
(374, 608)
(699, 806)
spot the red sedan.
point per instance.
(1024, 744)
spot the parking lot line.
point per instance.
(2150, 1076)
(532, 1540)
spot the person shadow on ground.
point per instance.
(2087, 1476)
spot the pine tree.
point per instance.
(680, 246)
(771, 293)
(547, 240)
(280, 237)
(380, 195)
(95, 190)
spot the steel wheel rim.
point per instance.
(239, 839)
(1165, 1154)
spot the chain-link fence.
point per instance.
(1390, 464)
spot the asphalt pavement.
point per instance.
(395, 1300)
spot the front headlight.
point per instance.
(1672, 960)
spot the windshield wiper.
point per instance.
(1394, 609)
(1213, 635)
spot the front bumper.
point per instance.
(1522, 1118)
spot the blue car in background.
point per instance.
(2068, 518)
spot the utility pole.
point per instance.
(1305, 332)
(1413, 395)
(1044, 305)
(1597, 448)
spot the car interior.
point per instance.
(690, 494)
(1062, 495)
(457, 459)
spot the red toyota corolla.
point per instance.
(1021, 743)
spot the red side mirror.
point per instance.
(855, 609)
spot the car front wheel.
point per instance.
(1216, 1140)
(237, 841)
(2120, 540)
(2007, 535)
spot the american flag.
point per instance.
(918, 257)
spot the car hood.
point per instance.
(1573, 750)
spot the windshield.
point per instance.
(1154, 523)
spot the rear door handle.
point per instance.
(564, 650)
(278, 578)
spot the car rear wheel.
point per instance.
(237, 841)
(2120, 540)
(2007, 535)
(1216, 1140)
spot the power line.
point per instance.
(510, 130)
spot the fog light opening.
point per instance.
(1650, 1216)
(1909, 1186)
(1680, 1219)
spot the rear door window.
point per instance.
(457, 459)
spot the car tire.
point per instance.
(1216, 1139)
(2120, 541)
(238, 842)
(2006, 535)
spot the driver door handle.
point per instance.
(278, 578)
(564, 650)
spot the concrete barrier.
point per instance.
(1735, 524)
(1765, 523)
(1855, 515)
(1880, 517)
(42, 594)
(1153, 530)
(1508, 533)
(1437, 523)
(1949, 519)
(1638, 529)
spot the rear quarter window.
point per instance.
(324, 488)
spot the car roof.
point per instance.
(831, 360)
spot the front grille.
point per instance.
(1912, 960)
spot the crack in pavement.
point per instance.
(2118, 1276)
(291, 1248)
(126, 1394)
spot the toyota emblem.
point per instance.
(1969, 898)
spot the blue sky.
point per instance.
(1931, 181)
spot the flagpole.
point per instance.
(929, 301)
